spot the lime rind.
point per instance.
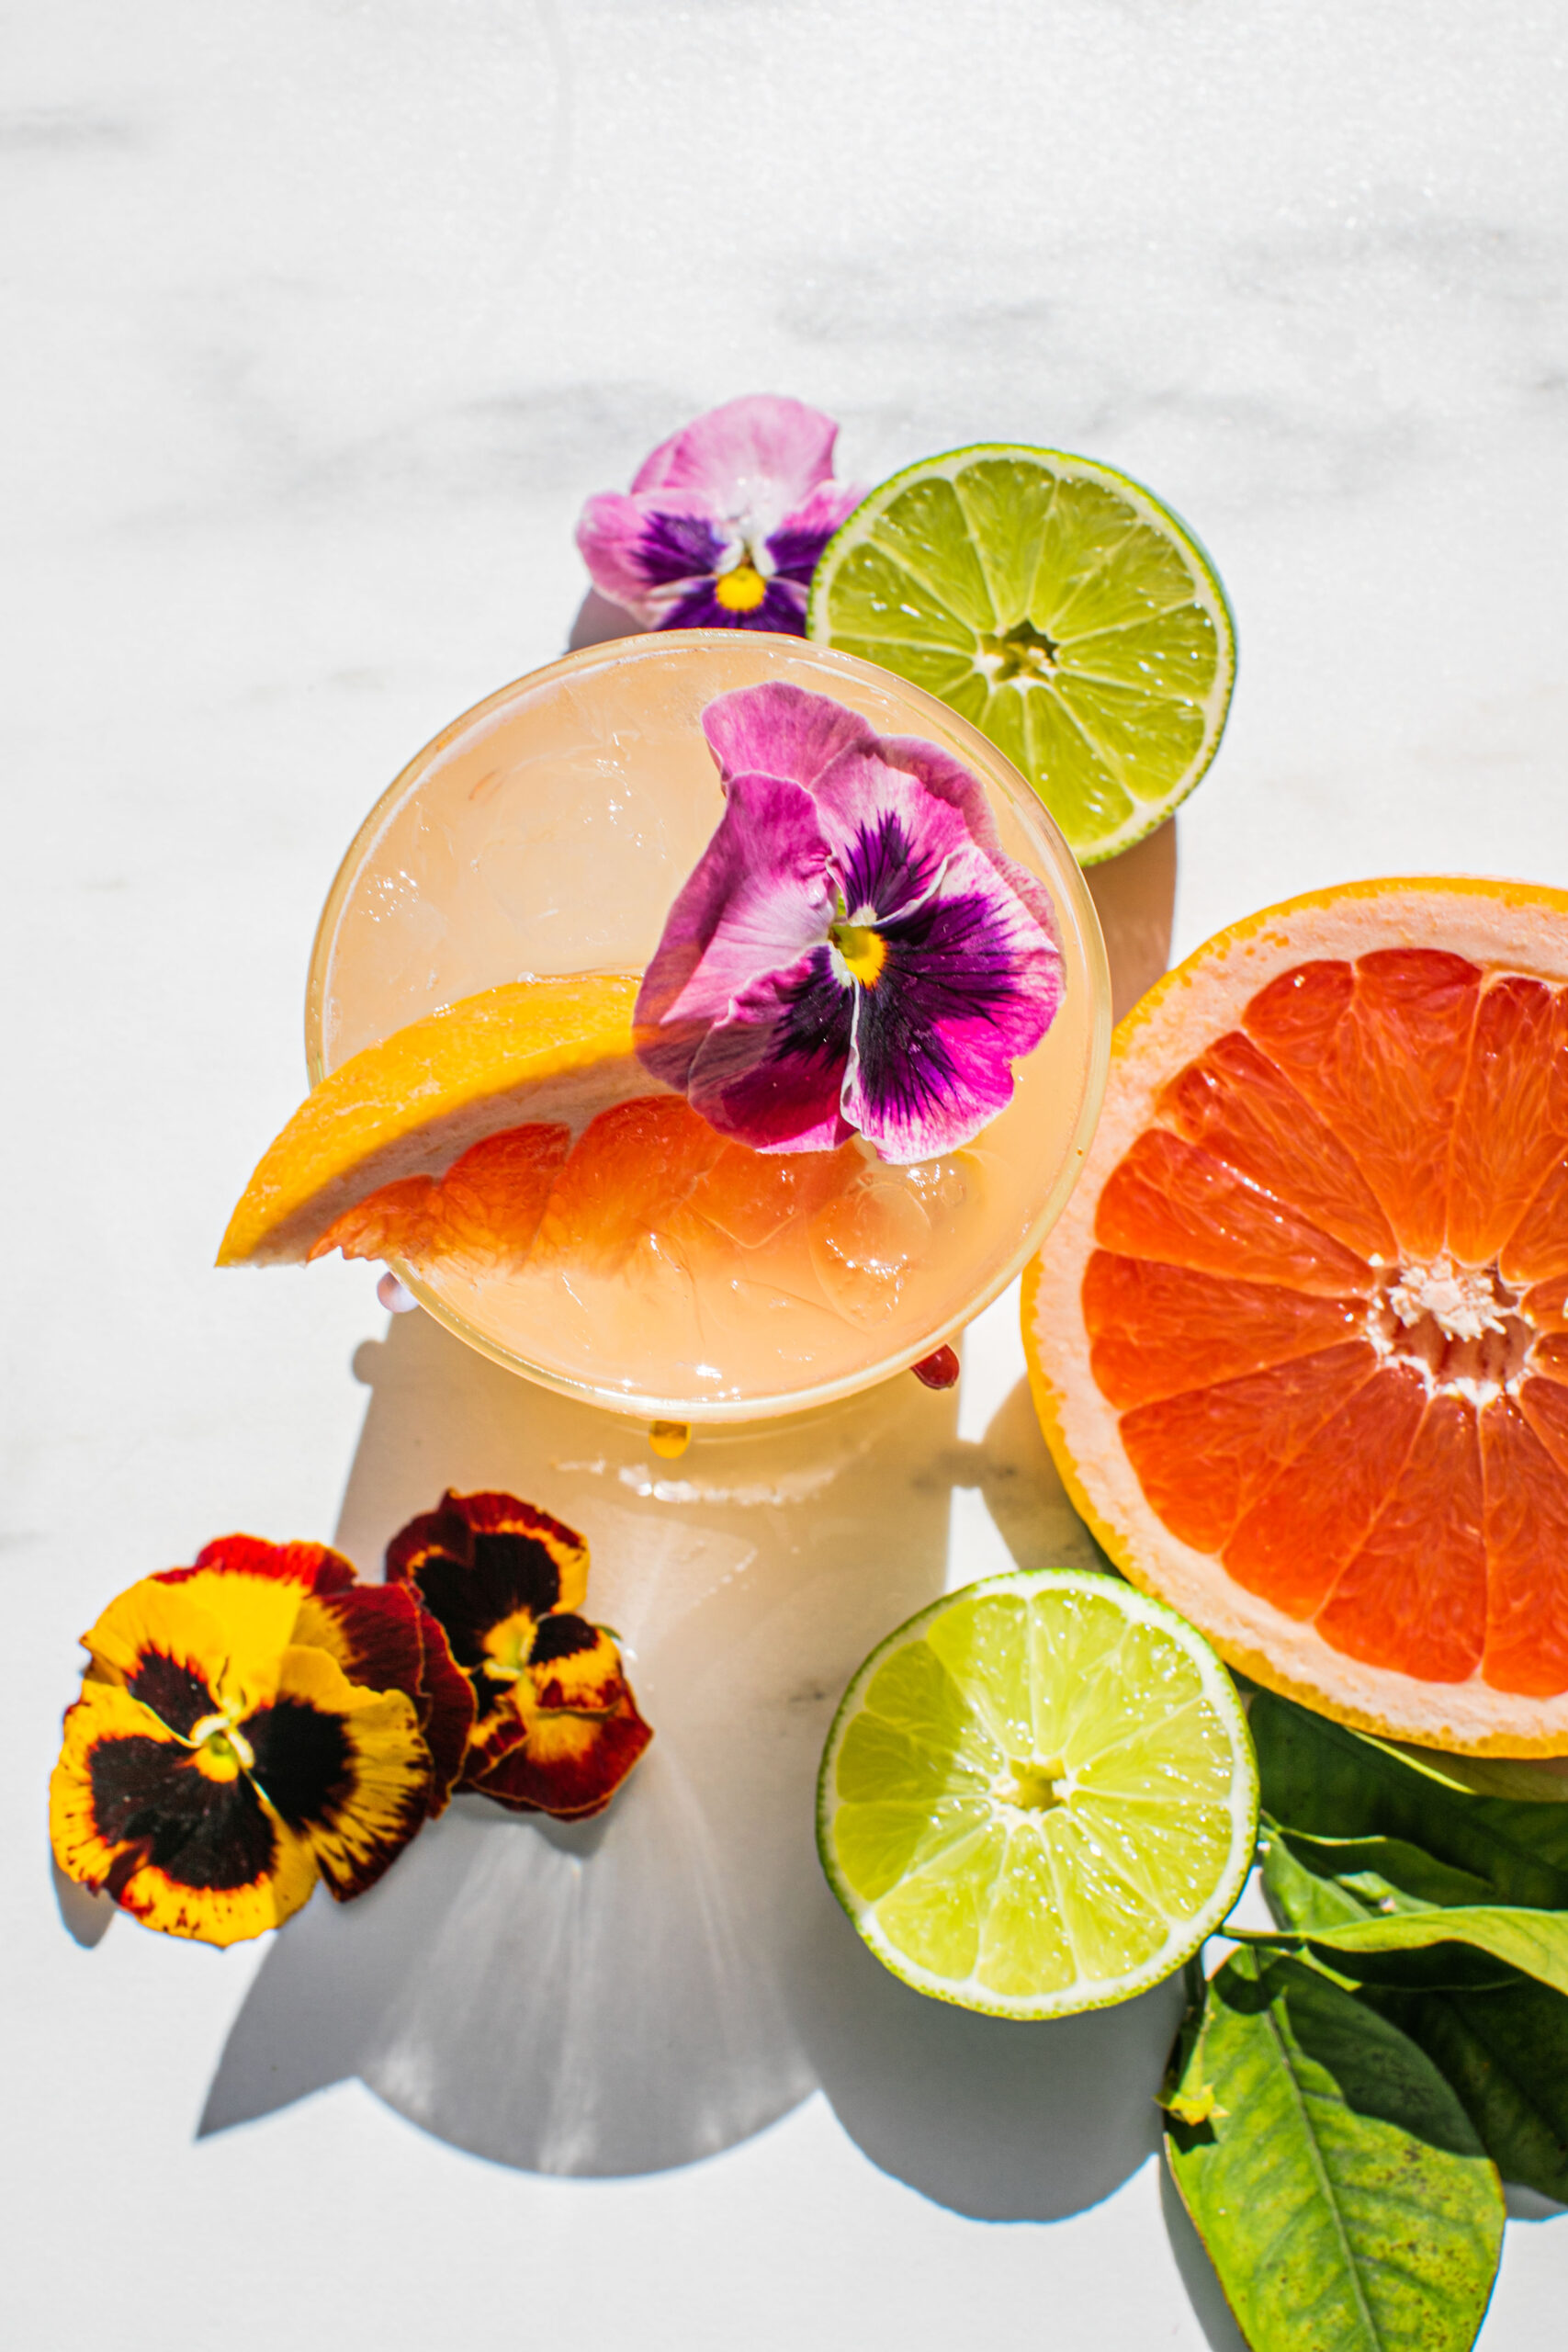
(1061, 608)
(1035, 1914)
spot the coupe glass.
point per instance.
(547, 832)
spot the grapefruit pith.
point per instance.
(1300, 1341)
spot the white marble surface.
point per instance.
(322, 318)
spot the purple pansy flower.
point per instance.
(725, 522)
(854, 950)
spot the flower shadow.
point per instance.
(597, 621)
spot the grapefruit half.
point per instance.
(1299, 1343)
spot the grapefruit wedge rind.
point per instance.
(530, 1052)
(1299, 1343)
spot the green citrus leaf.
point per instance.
(1326, 1781)
(1317, 1885)
(1533, 1780)
(1505, 2053)
(1534, 1942)
(1344, 2199)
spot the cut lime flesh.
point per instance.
(1059, 607)
(1039, 1796)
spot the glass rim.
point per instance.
(1067, 884)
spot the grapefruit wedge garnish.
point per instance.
(447, 1135)
(1300, 1341)
(518, 1129)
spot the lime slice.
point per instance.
(1059, 607)
(1039, 1796)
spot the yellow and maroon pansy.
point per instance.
(247, 1725)
(378, 1634)
(557, 1729)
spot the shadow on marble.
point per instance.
(577, 1998)
(632, 1994)
(997, 2120)
(1134, 896)
(1204, 2291)
(1524, 2204)
(597, 621)
(85, 1917)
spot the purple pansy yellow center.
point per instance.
(740, 589)
(726, 521)
(860, 949)
(854, 953)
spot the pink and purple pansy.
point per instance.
(725, 522)
(853, 952)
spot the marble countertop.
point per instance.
(323, 318)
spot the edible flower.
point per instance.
(556, 1728)
(725, 522)
(854, 950)
(247, 1725)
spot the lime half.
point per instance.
(1039, 1796)
(1060, 607)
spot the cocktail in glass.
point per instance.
(547, 832)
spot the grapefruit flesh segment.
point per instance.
(1235, 1103)
(631, 1169)
(644, 1174)
(402, 1220)
(1537, 1249)
(486, 1209)
(1203, 1458)
(1527, 1552)
(1544, 1404)
(656, 1167)
(1294, 1543)
(1546, 1305)
(495, 1195)
(1380, 1049)
(1549, 1357)
(1414, 1596)
(1508, 1130)
(1169, 1201)
(1159, 1329)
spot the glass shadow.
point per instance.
(634, 1993)
(605, 1997)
